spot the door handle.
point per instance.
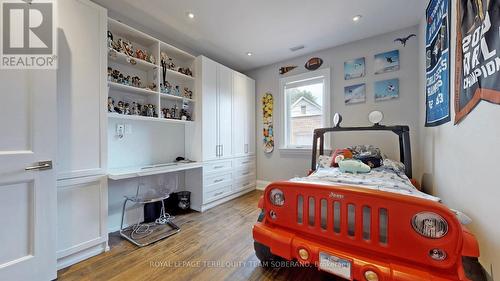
(41, 166)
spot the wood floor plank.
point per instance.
(214, 245)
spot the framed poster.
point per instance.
(437, 65)
(478, 55)
(354, 69)
(355, 94)
(387, 89)
(387, 62)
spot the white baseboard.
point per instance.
(69, 260)
(261, 185)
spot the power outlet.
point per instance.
(120, 130)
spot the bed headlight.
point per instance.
(277, 197)
(430, 225)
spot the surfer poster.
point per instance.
(478, 55)
(437, 39)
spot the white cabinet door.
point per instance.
(225, 103)
(81, 89)
(28, 124)
(209, 110)
(239, 114)
(250, 116)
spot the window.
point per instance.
(306, 101)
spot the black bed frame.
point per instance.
(403, 133)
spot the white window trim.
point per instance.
(306, 149)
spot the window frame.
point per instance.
(324, 74)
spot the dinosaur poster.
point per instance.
(478, 55)
(437, 51)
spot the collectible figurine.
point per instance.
(126, 109)
(140, 54)
(127, 47)
(187, 93)
(110, 40)
(188, 72)
(110, 74)
(173, 111)
(135, 109)
(151, 86)
(121, 79)
(185, 115)
(115, 75)
(150, 110)
(181, 70)
(177, 91)
(151, 59)
(170, 63)
(126, 80)
(119, 108)
(117, 46)
(167, 113)
(136, 81)
(111, 104)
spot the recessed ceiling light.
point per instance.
(190, 15)
(356, 18)
(249, 54)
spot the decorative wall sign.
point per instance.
(478, 55)
(355, 94)
(354, 69)
(313, 63)
(267, 119)
(403, 40)
(387, 62)
(386, 89)
(286, 69)
(437, 42)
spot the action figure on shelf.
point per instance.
(136, 81)
(151, 59)
(111, 104)
(120, 79)
(127, 48)
(126, 109)
(115, 75)
(173, 112)
(177, 91)
(151, 86)
(140, 54)
(188, 72)
(136, 109)
(110, 74)
(185, 115)
(126, 80)
(188, 93)
(117, 46)
(119, 108)
(110, 40)
(150, 110)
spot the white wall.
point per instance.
(460, 162)
(401, 111)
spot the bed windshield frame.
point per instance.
(402, 131)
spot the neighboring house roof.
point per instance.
(313, 108)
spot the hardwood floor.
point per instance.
(214, 245)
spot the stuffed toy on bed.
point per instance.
(353, 166)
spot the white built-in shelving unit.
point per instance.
(150, 72)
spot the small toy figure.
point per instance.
(110, 40)
(167, 113)
(119, 108)
(151, 86)
(187, 93)
(136, 81)
(126, 109)
(185, 115)
(110, 74)
(117, 46)
(173, 112)
(111, 104)
(151, 59)
(188, 72)
(150, 110)
(170, 64)
(127, 48)
(115, 75)
(140, 54)
(120, 79)
(135, 109)
(126, 80)
(177, 91)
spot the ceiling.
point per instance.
(225, 30)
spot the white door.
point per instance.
(250, 117)
(209, 101)
(239, 114)
(27, 198)
(225, 86)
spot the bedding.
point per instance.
(390, 178)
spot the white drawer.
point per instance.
(216, 179)
(244, 183)
(244, 172)
(218, 166)
(218, 193)
(243, 162)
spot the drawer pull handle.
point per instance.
(218, 193)
(245, 173)
(246, 162)
(218, 180)
(218, 167)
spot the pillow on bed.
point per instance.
(368, 154)
(396, 166)
(324, 161)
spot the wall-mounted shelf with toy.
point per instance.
(147, 78)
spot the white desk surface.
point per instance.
(141, 171)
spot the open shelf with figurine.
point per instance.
(148, 80)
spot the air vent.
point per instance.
(296, 48)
